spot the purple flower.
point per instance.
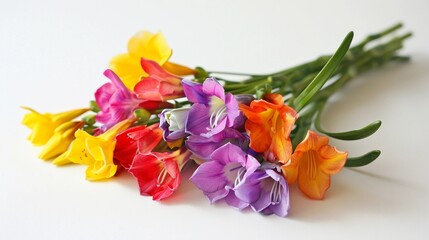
(115, 101)
(203, 147)
(172, 122)
(228, 168)
(265, 190)
(212, 111)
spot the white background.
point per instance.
(53, 53)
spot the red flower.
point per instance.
(136, 140)
(158, 174)
(160, 85)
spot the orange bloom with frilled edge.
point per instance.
(269, 123)
(313, 163)
(149, 46)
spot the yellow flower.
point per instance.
(312, 164)
(95, 151)
(44, 125)
(60, 140)
(149, 46)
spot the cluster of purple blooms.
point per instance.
(213, 130)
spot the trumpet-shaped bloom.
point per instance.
(266, 190)
(228, 168)
(117, 103)
(312, 164)
(136, 140)
(149, 46)
(158, 174)
(44, 125)
(212, 111)
(60, 140)
(159, 85)
(95, 151)
(269, 123)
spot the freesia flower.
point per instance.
(158, 173)
(212, 111)
(60, 140)
(44, 125)
(117, 103)
(95, 151)
(136, 140)
(269, 123)
(149, 46)
(203, 147)
(159, 85)
(312, 163)
(172, 122)
(228, 168)
(266, 191)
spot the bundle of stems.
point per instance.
(308, 86)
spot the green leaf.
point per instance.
(305, 96)
(363, 160)
(349, 135)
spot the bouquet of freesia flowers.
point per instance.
(252, 139)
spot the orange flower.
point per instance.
(269, 123)
(313, 163)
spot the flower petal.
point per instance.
(198, 119)
(315, 185)
(333, 160)
(209, 178)
(194, 92)
(212, 87)
(229, 153)
(178, 69)
(128, 68)
(231, 109)
(150, 46)
(235, 202)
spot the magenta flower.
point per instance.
(115, 101)
(212, 111)
(228, 168)
(265, 190)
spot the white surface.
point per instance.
(52, 55)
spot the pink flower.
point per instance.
(160, 85)
(117, 102)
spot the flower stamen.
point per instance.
(218, 114)
(240, 176)
(161, 177)
(275, 194)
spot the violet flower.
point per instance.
(203, 147)
(212, 111)
(228, 168)
(172, 123)
(265, 190)
(116, 102)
